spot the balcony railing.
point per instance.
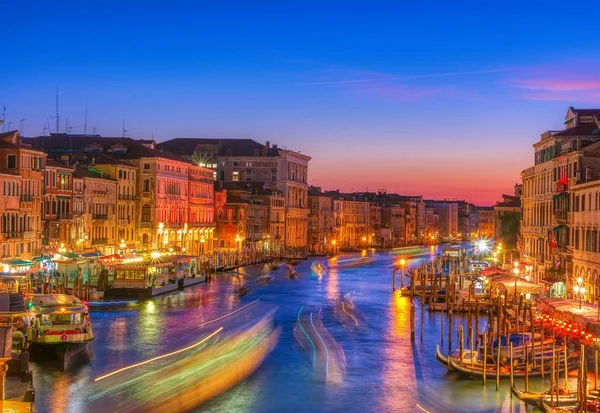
(126, 197)
(26, 198)
(146, 194)
(99, 241)
(99, 216)
(13, 235)
(561, 187)
(560, 215)
(65, 216)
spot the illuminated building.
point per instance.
(58, 204)
(244, 160)
(21, 176)
(547, 195)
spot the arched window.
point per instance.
(145, 239)
(220, 214)
(146, 216)
(146, 185)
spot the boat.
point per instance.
(476, 369)
(328, 358)
(61, 327)
(442, 359)
(539, 398)
(183, 379)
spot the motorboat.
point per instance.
(61, 327)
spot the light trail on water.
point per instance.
(161, 356)
(230, 314)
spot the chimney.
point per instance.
(275, 146)
(268, 144)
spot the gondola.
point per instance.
(443, 359)
(538, 398)
(476, 370)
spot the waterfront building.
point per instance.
(79, 236)
(126, 177)
(393, 219)
(544, 228)
(507, 218)
(244, 160)
(447, 212)
(57, 207)
(201, 211)
(584, 243)
(485, 224)
(467, 226)
(21, 170)
(375, 225)
(321, 221)
(432, 224)
(99, 206)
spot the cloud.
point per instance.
(559, 83)
(379, 79)
(386, 86)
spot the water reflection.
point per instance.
(385, 371)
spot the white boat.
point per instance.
(61, 327)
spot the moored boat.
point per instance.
(61, 327)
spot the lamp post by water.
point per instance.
(402, 264)
(237, 249)
(516, 272)
(364, 240)
(579, 290)
(333, 245)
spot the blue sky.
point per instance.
(439, 98)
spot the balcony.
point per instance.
(146, 194)
(123, 222)
(560, 215)
(126, 197)
(13, 235)
(65, 216)
(99, 216)
(26, 197)
(99, 241)
(145, 224)
(561, 187)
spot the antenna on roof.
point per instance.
(94, 130)
(85, 120)
(124, 130)
(9, 123)
(21, 124)
(57, 115)
(44, 130)
(3, 117)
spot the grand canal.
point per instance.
(385, 371)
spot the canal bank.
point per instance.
(385, 371)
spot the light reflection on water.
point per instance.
(386, 372)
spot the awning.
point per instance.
(19, 263)
(42, 258)
(71, 255)
(90, 255)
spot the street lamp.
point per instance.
(202, 241)
(579, 290)
(516, 271)
(402, 264)
(364, 239)
(237, 249)
(333, 243)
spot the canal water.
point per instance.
(385, 371)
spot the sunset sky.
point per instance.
(442, 98)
